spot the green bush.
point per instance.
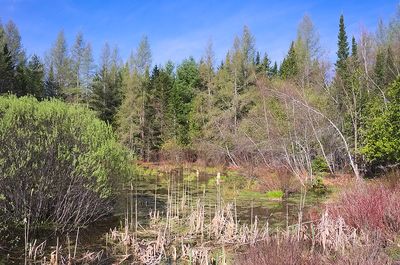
(318, 164)
(317, 186)
(58, 162)
(382, 132)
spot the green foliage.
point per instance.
(52, 151)
(186, 84)
(318, 165)
(106, 95)
(382, 132)
(318, 187)
(6, 70)
(275, 194)
(343, 47)
(289, 66)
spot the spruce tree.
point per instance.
(274, 70)
(354, 51)
(343, 76)
(343, 49)
(289, 66)
(51, 88)
(266, 65)
(263, 66)
(380, 69)
(258, 59)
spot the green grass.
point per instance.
(275, 194)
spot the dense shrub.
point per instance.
(277, 252)
(382, 132)
(58, 162)
(328, 242)
(318, 164)
(370, 207)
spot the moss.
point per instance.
(275, 194)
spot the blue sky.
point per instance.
(179, 29)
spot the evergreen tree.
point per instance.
(289, 66)
(274, 70)
(342, 82)
(343, 49)
(354, 52)
(380, 69)
(263, 66)
(51, 88)
(185, 86)
(106, 88)
(266, 65)
(36, 77)
(391, 73)
(157, 116)
(257, 60)
(6, 70)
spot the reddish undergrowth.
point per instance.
(371, 207)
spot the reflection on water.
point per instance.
(147, 193)
(152, 193)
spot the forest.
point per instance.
(80, 137)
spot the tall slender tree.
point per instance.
(343, 49)
(14, 44)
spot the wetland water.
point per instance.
(152, 192)
(186, 187)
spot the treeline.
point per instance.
(244, 111)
